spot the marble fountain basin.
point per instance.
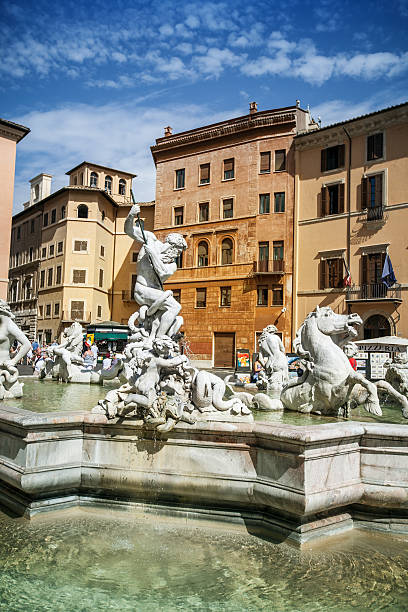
(300, 481)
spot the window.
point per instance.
(332, 158)
(278, 250)
(42, 278)
(49, 277)
(27, 289)
(265, 163)
(108, 184)
(202, 254)
(180, 178)
(204, 174)
(277, 295)
(103, 215)
(56, 309)
(135, 255)
(280, 160)
(263, 251)
(178, 215)
(122, 187)
(99, 312)
(229, 170)
(228, 208)
(31, 254)
(372, 191)
(331, 273)
(78, 276)
(48, 310)
(19, 233)
(94, 179)
(102, 251)
(63, 212)
(332, 197)
(264, 203)
(226, 251)
(371, 270)
(36, 192)
(100, 278)
(279, 197)
(54, 215)
(225, 296)
(32, 228)
(60, 247)
(203, 211)
(58, 278)
(80, 245)
(51, 250)
(81, 178)
(75, 180)
(77, 310)
(177, 294)
(43, 252)
(41, 311)
(375, 147)
(179, 260)
(262, 295)
(45, 221)
(82, 211)
(201, 297)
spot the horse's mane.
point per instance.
(297, 342)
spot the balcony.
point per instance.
(269, 266)
(127, 296)
(374, 292)
(376, 213)
(76, 315)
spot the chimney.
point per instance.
(253, 108)
(168, 131)
(297, 103)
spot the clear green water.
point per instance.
(48, 396)
(83, 560)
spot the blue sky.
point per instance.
(98, 81)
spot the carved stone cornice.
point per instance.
(225, 129)
(12, 131)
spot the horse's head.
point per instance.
(331, 323)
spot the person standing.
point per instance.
(95, 351)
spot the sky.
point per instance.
(99, 81)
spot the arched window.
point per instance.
(82, 211)
(63, 212)
(226, 251)
(108, 184)
(376, 326)
(202, 254)
(36, 192)
(94, 179)
(122, 187)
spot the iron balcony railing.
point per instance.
(374, 291)
(375, 214)
(271, 266)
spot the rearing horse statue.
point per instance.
(328, 381)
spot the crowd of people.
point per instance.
(39, 352)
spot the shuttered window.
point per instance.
(50, 275)
(375, 144)
(332, 199)
(77, 310)
(228, 208)
(332, 158)
(280, 160)
(372, 191)
(265, 164)
(59, 275)
(203, 211)
(262, 295)
(229, 169)
(178, 215)
(331, 273)
(225, 297)
(78, 276)
(204, 174)
(80, 245)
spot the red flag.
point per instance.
(347, 278)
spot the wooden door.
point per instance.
(224, 350)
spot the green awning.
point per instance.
(108, 335)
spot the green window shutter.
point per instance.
(364, 192)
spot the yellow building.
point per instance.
(351, 211)
(83, 263)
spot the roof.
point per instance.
(347, 121)
(151, 203)
(86, 163)
(16, 127)
(385, 340)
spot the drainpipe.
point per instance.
(113, 265)
(348, 203)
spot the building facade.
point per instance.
(351, 212)
(229, 189)
(10, 134)
(70, 258)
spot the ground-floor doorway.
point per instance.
(224, 350)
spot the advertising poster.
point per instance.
(377, 361)
(243, 360)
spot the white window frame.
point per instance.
(74, 240)
(384, 172)
(72, 277)
(381, 159)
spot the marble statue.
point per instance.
(397, 373)
(10, 386)
(274, 374)
(159, 384)
(328, 380)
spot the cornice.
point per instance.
(209, 133)
(10, 134)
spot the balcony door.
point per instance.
(372, 267)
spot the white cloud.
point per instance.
(278, 64)
(216, 60)
(166, 30)
(192, 21)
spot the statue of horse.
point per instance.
(328, 381)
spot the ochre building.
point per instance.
(229, 189)
(351, 212)
(70, 257)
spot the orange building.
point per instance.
(351, 212)
(229, 189)
(10, 134)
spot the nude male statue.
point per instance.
(9, 331)
(155, 264)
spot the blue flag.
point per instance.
(388, 276)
